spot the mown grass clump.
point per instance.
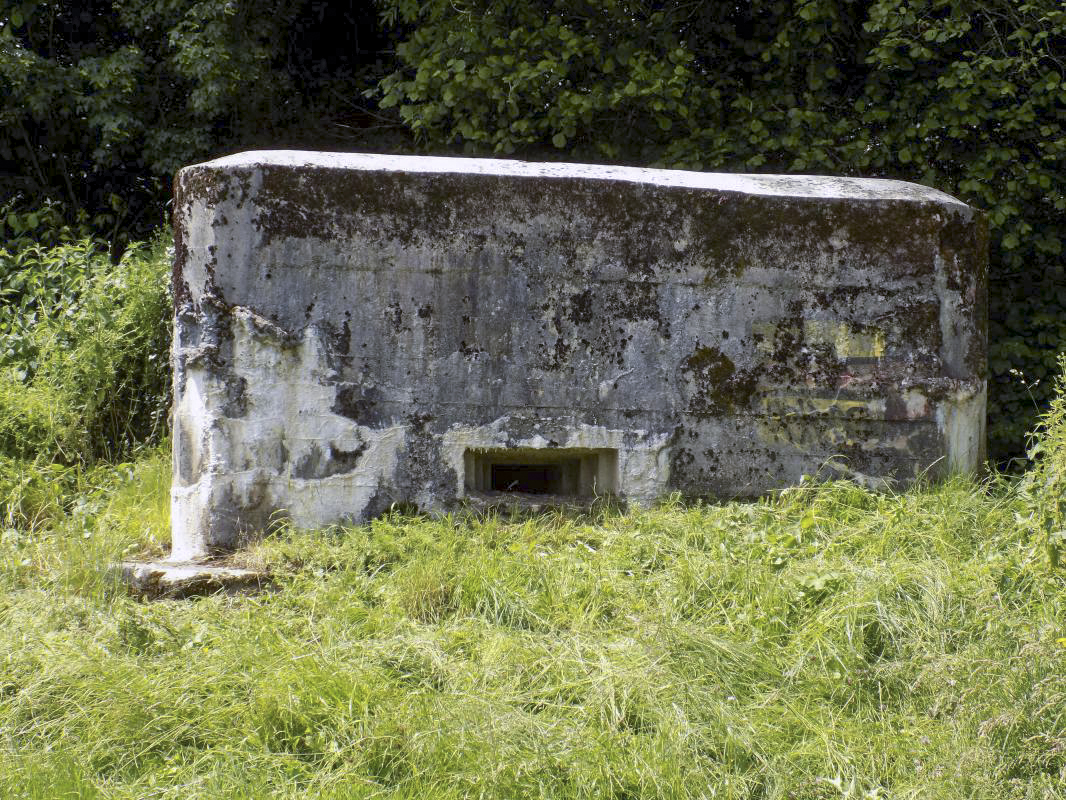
(826, 643)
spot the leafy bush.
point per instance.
(44, 225)
(34, 495)
(84, 373)
(1044, 485)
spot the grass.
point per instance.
(827, 643)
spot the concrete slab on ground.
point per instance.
(179, 579)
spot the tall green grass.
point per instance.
(1044, 485)
(826, 643)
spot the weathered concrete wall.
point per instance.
(352, 329)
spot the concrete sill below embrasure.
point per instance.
(492, 501)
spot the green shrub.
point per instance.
(83, 350)
(46, 224)
(1044, 485)
(37, 422)
(84, 373)
(34, 495)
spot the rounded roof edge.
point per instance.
(814, 186)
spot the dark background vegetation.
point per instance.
(100, 103)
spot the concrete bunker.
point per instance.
(356, 331)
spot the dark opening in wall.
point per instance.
(582, 472)
(529, 478)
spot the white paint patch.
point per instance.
(961, 421)
(268, 456)
(917, 404)
(189, 516)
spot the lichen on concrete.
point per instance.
(350, 327)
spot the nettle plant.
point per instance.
(83, 350)
(1044, 485)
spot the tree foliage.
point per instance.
(102, 100)
(968, 96)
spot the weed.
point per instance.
(84, 373)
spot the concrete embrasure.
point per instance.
(356, 332)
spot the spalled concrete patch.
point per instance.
(358, 332)
(175, 580)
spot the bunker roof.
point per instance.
(800, 186)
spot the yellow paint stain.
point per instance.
(800, 434)
(846, 341)
(799, 405)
